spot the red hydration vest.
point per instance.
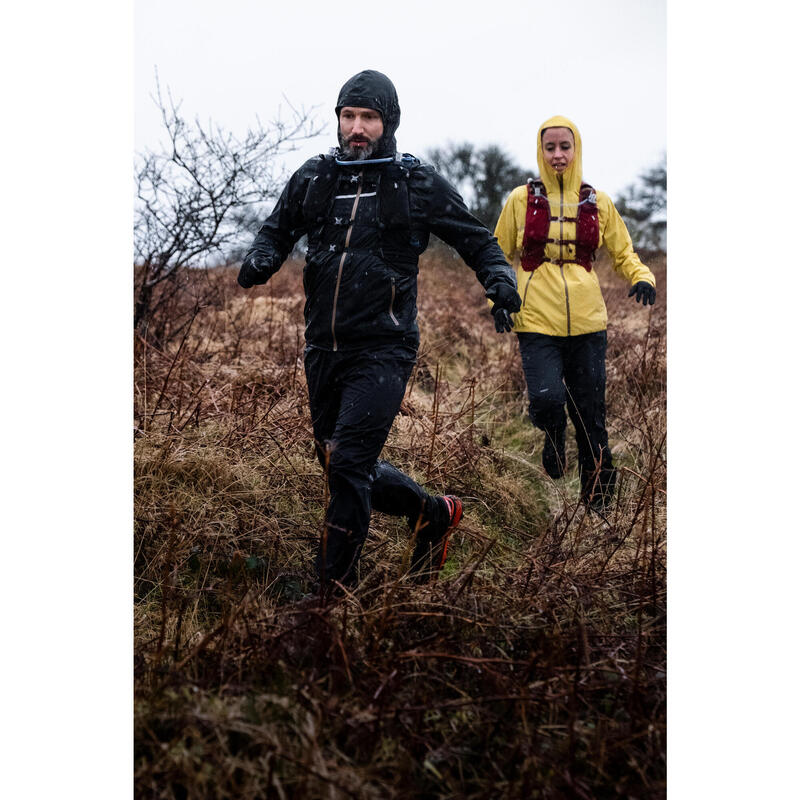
(537, 228)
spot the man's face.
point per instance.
(359, 132)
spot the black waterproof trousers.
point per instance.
(571, 370)
(354, 398)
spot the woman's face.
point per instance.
(558, 145)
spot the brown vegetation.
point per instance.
(533, 668)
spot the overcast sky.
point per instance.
(473, 71)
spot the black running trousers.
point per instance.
(571, 371)
(354, 398)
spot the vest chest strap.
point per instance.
(536, 234)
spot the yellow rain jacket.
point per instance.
(564, 300)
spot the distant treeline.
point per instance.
(484, 177)
(202, 197)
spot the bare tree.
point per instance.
(197, 198)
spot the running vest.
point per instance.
(537, 228)
(394, 213)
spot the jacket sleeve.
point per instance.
(508, 226)
(450, 220)
(614, 235)
(285, 225)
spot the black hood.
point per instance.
(372, 89)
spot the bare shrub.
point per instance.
(197, 199)
(534, 667)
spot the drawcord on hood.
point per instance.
(372, 89)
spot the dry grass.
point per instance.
(533, 668)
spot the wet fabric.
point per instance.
(565, 299)
(354, 293)
(571, 371)
(354, 399)
(386, 255)
(367, 225)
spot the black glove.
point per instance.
(645, 293)
(504, 296)
(502, 320)
(255, 269)
(506, 302)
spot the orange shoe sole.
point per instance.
(456, 509)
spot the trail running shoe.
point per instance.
(455, 509)
(430, 551)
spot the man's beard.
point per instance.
(350, 153)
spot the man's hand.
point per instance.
(502, 320)
(505, 296)
(506, 302)
(645, 293)
(256, 269)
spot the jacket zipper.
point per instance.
(561, 245)
(527, 283)
(341, 260)
(391, 305)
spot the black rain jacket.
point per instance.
(367, 226)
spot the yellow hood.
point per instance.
(560, 297)
(573, 175)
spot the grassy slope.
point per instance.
(534, 667)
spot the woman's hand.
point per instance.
(645, 293)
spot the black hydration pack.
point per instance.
(394, 213)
